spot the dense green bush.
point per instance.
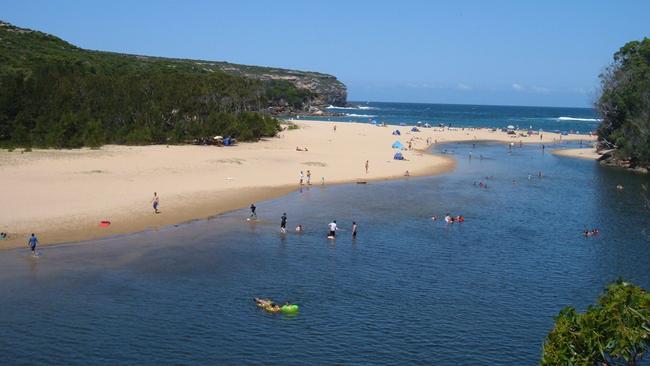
(615, 331)
(625, 103)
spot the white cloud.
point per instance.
(517, 87)
(462, 86)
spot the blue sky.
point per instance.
(475, 52)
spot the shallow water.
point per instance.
(407, 290)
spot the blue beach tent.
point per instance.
(415, 129)
(397, 145)
(396, 133)
(398, 156)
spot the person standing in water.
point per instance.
(332, 229)
(155, 201)
(354, 230)
(283, 223)
(302, 177)
(32, 242)
(253, 213)
(308, 177)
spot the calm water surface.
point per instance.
(408, 291)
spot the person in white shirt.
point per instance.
(332, 228)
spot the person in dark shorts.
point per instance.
(354, 229)
(253, 208)
(32, 241)
(332, 229)
(283, 223)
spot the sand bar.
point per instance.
(62, 195)
(584, 153)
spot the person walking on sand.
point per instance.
(367, 162)
(32, 242)
(283, 223)
(308, 177)
(354, 230)
(302, 177)
(334, 128)
(253, 213)
(155, 201)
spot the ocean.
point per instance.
(408, 290)
(576, 120)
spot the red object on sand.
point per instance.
(104, 223)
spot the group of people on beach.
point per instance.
(308, 175)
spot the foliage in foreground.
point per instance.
(615, 331)
(625, 103)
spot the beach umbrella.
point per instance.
(511, 127)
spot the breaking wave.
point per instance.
(360, 107)
(360, 115)
(579, 119)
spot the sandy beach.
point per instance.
(584, 153)
(62, 195)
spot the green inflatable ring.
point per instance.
(289, 309)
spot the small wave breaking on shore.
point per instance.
(360, 115)
(359, 107)
(563, 118)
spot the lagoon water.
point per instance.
(408, 290)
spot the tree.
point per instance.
(624, 103)
(614, 331)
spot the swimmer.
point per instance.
(263, 302)
(619, 187)
(273, 308)
(434, 218)
(299, 228)
(448, 219)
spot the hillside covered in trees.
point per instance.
(53, 94)
(625, 105)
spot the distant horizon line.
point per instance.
(470, 104)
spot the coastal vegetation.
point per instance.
(624, 104)
(614, 331)
(54, 94)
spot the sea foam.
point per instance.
(361, 107)
(578, 119)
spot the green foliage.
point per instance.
(615, 331)
(624, 103)
(53, 94)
